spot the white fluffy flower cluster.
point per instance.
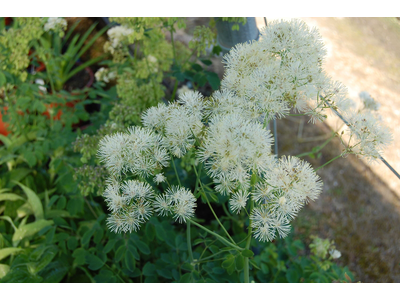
(138, 151)
(104, 74)
(55, 24)
(368, 101)
(232, 149)
(180, 123)
(282, 70)
(129, 203)
(368, 136)
(281, 194)
(118, 34)
(177, 201)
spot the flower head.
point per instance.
(232, 148)
(178, 201)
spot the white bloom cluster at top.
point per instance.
(369, 102)
(227, 133)
(282, 70)
(55, 24)
(118, 34)
(368, 136)
(104, 74)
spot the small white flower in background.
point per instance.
(182, 90)
(118, 34)
(55, 24)
(40, 82)
(335, 254)
(369, 137)
(105, 75)
(369, 102)
(159, 178)
(152, 62)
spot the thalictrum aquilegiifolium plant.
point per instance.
(226, 136)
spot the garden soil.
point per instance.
(359, 207)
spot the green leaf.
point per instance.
(10, 197)
(4, 270)
(130, 261)
(218, 270)
(150, 231)
(185, 278)
(197, 67)
(230, 260)
(292, 275)
(86, 237)
(133, 250)
(239, 262)
(8, 251)
(207, 62)
(187, 267)
(142, 247)
(165, 273)
(160, 232)
(46, 259)
(79, 255)
(214, 80)
(3, 79)
(149, 269)
(34, 201)
(61, 203)
(200, 79)
(216, 50)
(29, 230)
(72, 243)
(30, 158)
(95, 263)
(109, 246)
(105, 276)
(247, 253)
(54, 271)
(53, 199)
(120, 253)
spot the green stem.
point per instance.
(212, 210)
(328, 162)
(211, 256)
(189, 244)
(246, 259)
(172, 41)
(176, 172)
(174, 90)
(223, 240)
(317, 149)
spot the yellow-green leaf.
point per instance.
(24, 210)
(34, 201)
(29, 230)
(10, 197)
(4, 270)
(8, 251)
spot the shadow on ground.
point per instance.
(356, 209)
